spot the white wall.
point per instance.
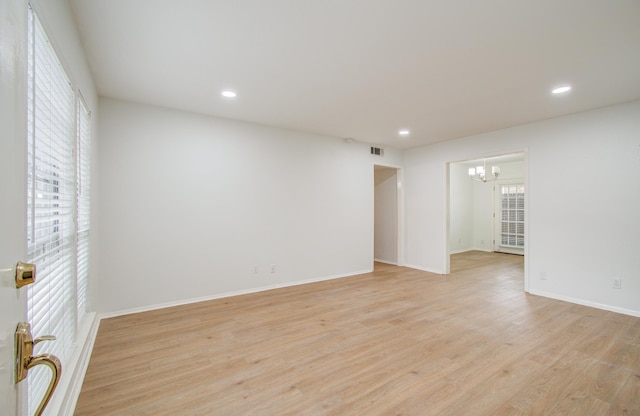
(483, 203)
(191, 204)
(583, 181)
(386, 215)
(461, 209)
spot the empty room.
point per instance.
(319, 207)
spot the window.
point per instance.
(83, 186)
(57, 202)
(512, 216)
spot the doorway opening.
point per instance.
(488, 216)
(387, 226)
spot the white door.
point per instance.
(13, 247)
(509, 217)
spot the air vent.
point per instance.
(378, 151)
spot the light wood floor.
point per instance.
(393, 342)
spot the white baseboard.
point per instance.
(462, 250)
(466, 250)
(424, 269)
(486, 250)
(227, 294)
(64, 399)
(582, 302)
(393, 263)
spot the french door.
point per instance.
(13, 159)
(509, 218)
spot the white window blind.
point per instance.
(57, 206)
(83, 201)
(512, 216)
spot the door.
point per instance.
(12, 191)
(509, 217)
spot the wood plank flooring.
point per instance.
(393, 342)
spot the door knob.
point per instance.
(26, 361)
(25, 274)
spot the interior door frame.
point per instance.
(399, 217)
(527, 245)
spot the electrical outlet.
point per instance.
(543, 275)
(617, 283)
(273, 268)
(255, 270)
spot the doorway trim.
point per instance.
(447, 251)
(399, 210)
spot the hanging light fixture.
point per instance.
(479, 173)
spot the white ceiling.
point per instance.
(363, 69)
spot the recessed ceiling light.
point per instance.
(560, 90)
(229, 94)
(404, 132)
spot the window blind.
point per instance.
(512, 216)
(83, 205)
(57, 204)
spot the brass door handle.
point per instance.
(25, 361)
(25, 274)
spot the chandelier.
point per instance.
(479, 173)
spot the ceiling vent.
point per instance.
(378, 151)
